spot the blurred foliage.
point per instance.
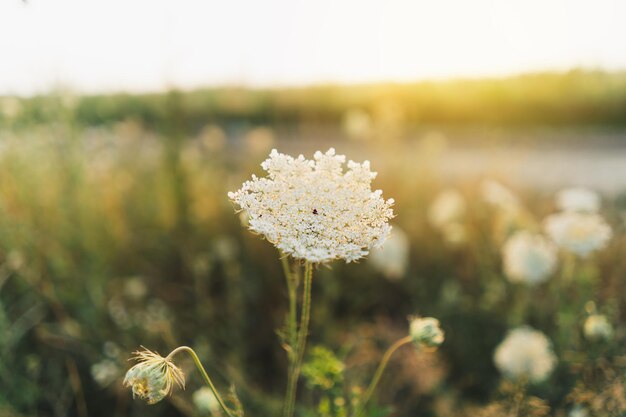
(116, 232)
(577, 97)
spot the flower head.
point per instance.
(525, 353)
(153, 377)
(528, 258)
(426, 332)
(579, 233)
(578, 199)
(313, 210)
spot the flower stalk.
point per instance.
(153, 377)
(196, 360)
(379, 372)
(298, 355)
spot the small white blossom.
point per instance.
(529, 258)
(578, 199)
(579, 233)
(525, 353)
(392, 258)
(598, 327)
(448, 207)
(314, 210)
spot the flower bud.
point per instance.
(426, 332)
(153, 377)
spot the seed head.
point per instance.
(153, 377)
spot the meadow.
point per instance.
(116, 231)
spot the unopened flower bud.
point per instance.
(426, 332)
(153, 377)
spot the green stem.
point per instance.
(204, 375)
(379, 373)
(292, 284)
(292, 288)
(305, 315)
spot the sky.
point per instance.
(150, 45)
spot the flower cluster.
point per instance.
(529, 258)
(313, 210)
(579, 233)
(525, 353)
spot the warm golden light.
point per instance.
(154, 44)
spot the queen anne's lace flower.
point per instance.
(525, 353)
(314, 210)
(528, 258)
(579, 233)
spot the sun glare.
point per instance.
(153, 44)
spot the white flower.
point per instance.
(528, 258)
(314, 210)
(598, 327)
(448, 207)
(578, 199)
(392, 258)
(525, 353)
(426, 332)
(579, 233)
(498, 195)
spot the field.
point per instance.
(117, 232)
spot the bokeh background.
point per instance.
(123, 125)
